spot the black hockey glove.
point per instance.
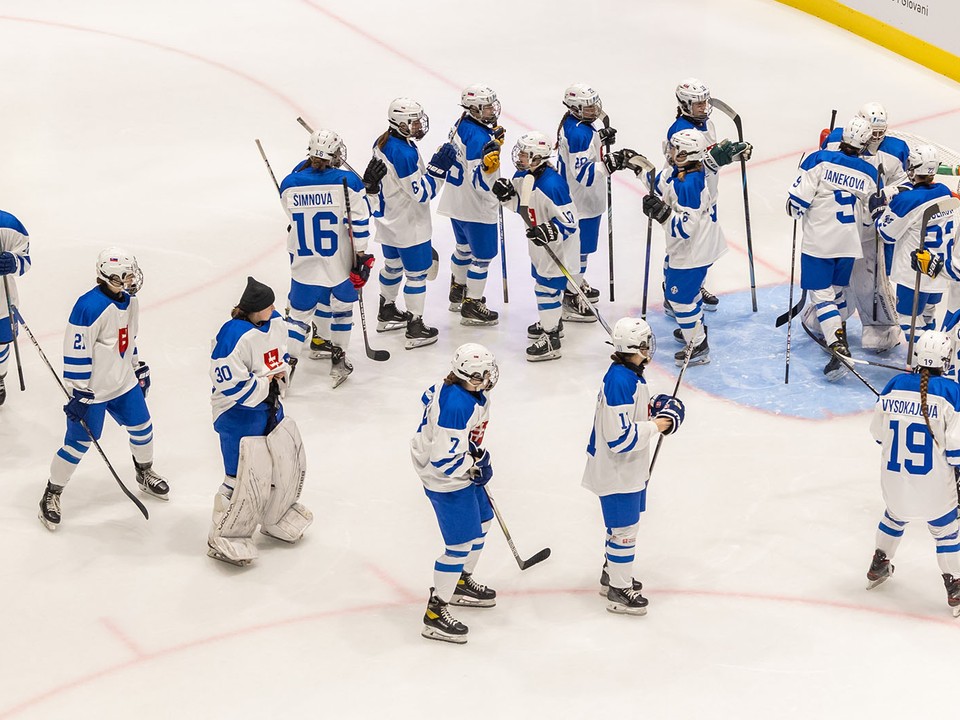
(504, 190)
(8, 263)
(608, 136)
(613, 161)
(79, 404)
(926, 262)
(665, 406)
(360, 272)
(375, 172)
(543, 233)
(442, 160)
(482, 471)
(143, 377)
(656, 209)
(876, 203)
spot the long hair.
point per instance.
(924, 408)
(560, 127)
(382, 140)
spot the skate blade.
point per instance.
(470, 322)
(320, 354)
(871, 584)
(618, 609)
(709, 308)
(464, 601)
(433, 634)
(955, 611)
(835, 375)
(338, 380)
(577, 318)
(455, 307)
(669, 313)
(223, 558)
(414, 343)
(702, 360)
(147, 490)
(390, 326)
(51, 526)
(555, 355)
(531, 336)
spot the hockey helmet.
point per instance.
(694, 99)
(876, 115)
(481, 102)
(532, 150)
(472, 362)
(689, 146)
(583, 102)
(934, 350)
(407, 117)
(633, 335)
(923, 161)
(119, 269)
(327, 145)
(857, 132)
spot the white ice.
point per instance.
(133, 123)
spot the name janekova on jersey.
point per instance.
(844, 180)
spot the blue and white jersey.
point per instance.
(467, 196)
(916, 471)
(13, 239)
(403, 216)
(706, 127)
(578, 161)
(831, 192)
(891, 155)
(618, 454)
(899, 226)
(319, 239)
(550, 202)
(243, 359)
(100, 345)
(453, 418)
(693, 235)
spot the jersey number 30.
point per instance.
(319, 237)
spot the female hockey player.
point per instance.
(103, 372)
(917, 422)
(449, 457)
(618, 456)
(14, 262)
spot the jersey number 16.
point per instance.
(318, 236)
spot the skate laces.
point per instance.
(474, 585)
(52, 502)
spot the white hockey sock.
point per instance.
(828, 315)
(945, 532)
(473, 558)
(583, 263)
(889, 534)
(621, 544)
(477, 278)
(415, 293)
(4, 354)
(690, 318)
(390, 277)
(447, 569)
(341, 323)
(227, 486)
(459, 262)
(298, 329)
(548, 306)
(841, 301)
(321, 318)
(65, 462)
(141, 442)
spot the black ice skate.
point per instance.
(476, 312)
(952, 585)
(390, 318)
(150, 482)
(605, 581)
(699, 356)
(836, 368)
(667, 306)
(418, 334)
(439, 624)
(320, 348)
(678, 335)
(880, 569)
(593, 295)
(470, 593)
(536, 330)
(3, 390)
(626, 601)
(340, 367)
(50, 506)
(576, 310)
(457, 293)
(710, 301)
(546, 347)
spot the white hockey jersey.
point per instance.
(467, 195)
(13, 239)
(454, 418)
(319, 241)
(403, 215)
(243, 359)
(890, 158)
(550, 202)
(831, 193)
(579, 163)
(693, 235)
(618, 453)
(916, 473)
(100, 345)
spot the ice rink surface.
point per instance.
(134, 124)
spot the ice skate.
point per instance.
(576, 310)
(880, 569)
(470, 593)
(699, 356)
(3, 390)
(418, 334)
(390, 318)
(605, 581)
(340, 367)
(667, 306)
(593, 295)
(536, 330)
(836, 368)
(457, 293)
(150, 482)
(626, 601)
(50, 506)
(952, 585)
(678, 335)
(439, 624)
(709, 300)
(546, 347)
(320, 348)
(476, 312)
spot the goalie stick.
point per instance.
(524, 564)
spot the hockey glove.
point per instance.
(747, 152)
(360, 272)
(926, 262)
(491, 157)
(794, 209)
(724, 152)
(142, 372)
(632, 160)
(442, 160)
(876, 203)
(8, 263)
(665, 406)
(608, 136)
(656, 209)
(273, 401)
(499, 133)
(542, 234)
(482, 470)
(613, 161)
(76, 409)
(504, 190)
(375, 172)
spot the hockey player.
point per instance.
(890, 156)
(14, 262)
(263, 457)
(917, 422)
(618, 456)
(684, 202)
(403, 218)
(448, 455)
(328, 259)
(835, 192)
(103, 372)
(900, 228)
(467, 201)
(554, 221)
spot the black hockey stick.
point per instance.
(794, 310)
(848, 362)
(646, 263)
(790, 314)
(503, 254)
(877, 247)
(378, 355)
(729, 112)
(267, 163)
(13, 331)
(524, 564)
(605, 119)
(676, 388)
(83, 423)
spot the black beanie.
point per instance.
(256, 297)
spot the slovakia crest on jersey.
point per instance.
(271, 359)
(476, 435)
(123, 340)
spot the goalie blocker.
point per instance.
(270, 478)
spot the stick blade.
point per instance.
(378, 355)
(726, 110)
(538, 558)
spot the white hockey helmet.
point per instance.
(532, 150)
(119, 269)
(688, 146)
(694, 99)
(481, 102)
(933, 349)
(857, 132)
(583, 102)
(924, 160)
(327, 145)
(472, 362)
(633, 335)
(876, 115)
(407, 117)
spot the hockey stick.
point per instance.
(503, 253)
(83, 423)
(526, 190)
(267, 163)
(877, 243)
(790, 314)
(378, 355)
(13, 332)
(848, 362)
(646, 262)
(729, 112)
(676, 388)
(524, 564)
(605, 119)
(794, 310)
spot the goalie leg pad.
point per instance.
(236, 551)
(291, 526)
(289, 462)
(235, 518)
